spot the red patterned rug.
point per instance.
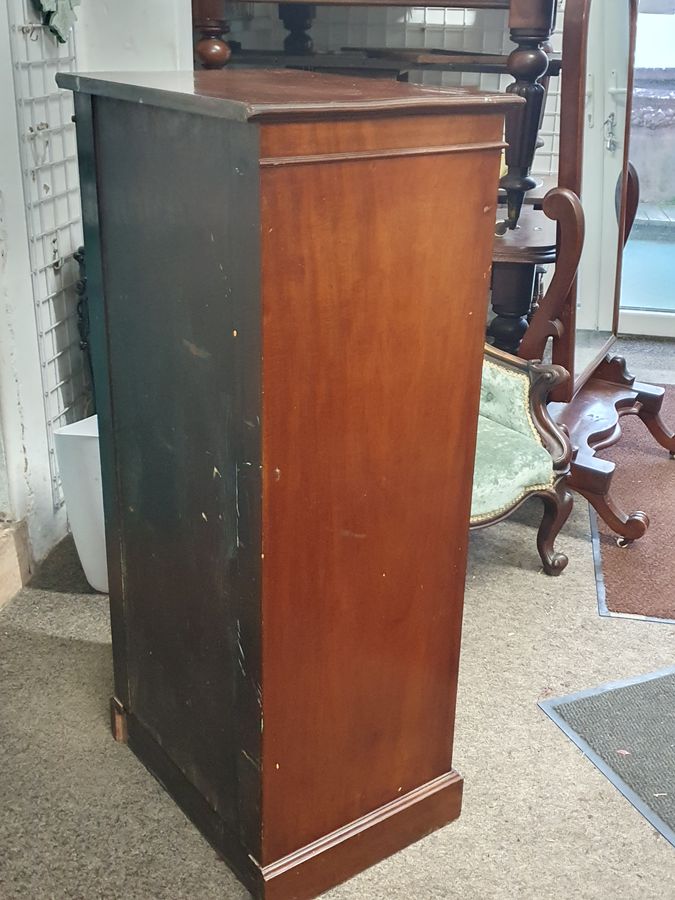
(640, 580)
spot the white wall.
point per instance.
(125, 35)
(21, 408)
(112, 35)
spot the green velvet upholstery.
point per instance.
(511, 461)
(505, 398)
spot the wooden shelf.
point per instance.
(533, 241)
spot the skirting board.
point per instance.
(15, 567)
(330, 860)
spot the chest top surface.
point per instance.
(267, 94)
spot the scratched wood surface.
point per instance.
(182, 385)
(288, 331)
(363, 579)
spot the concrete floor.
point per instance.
(82, 819)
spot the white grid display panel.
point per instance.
(546, 159)
(53, 215)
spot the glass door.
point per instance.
(604, 149)
(648, 282)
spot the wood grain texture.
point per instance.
(563, 207)
(392, 132)
(279, 94)
(328, 861)
(532, 243)
(382, 62)
(181, 388)
(287, 457)
(88, 170)
(363, 580)
(532, 15)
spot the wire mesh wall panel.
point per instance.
(53, 215)
(546, 159)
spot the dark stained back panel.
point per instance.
(180, 234)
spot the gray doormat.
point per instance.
(627, 729)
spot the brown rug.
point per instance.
(640, 580)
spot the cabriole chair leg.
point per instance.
(558, 504)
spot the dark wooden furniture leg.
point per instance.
(518, 258)
(512, 295)
(530, 24)
(558, 503)
(297, 19)
(593, 419)
(592, 478)
(651, 401)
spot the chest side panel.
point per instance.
(375, 281)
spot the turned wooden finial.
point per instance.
(530, 26)
(211, 51)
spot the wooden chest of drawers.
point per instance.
(287, 276)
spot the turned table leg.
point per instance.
(530, 26)
(297, 19)
(211, 50)
(512, 292)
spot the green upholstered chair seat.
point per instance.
(520, 451)
(508, 466)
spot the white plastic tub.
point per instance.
(80, 469)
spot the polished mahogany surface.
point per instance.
(245, 94)
(288, 321)
(360, 423)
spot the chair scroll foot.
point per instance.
(659, 430)
(629, 528)
(558, 502)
